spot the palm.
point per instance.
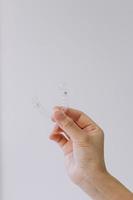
(71, 166)
(73, 155)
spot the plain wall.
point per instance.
(87, 44)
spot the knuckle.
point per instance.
(83, 113)
(101, 130)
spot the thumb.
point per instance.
(67, 124)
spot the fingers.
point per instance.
(80, 118)
(67, 124)
(57, 130)
(59, 138)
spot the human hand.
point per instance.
(82, 142)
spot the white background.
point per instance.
(87, 44)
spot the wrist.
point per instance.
(90, 184)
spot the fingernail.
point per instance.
(64, 108)
(59, 115)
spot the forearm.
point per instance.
(90, 189)
(106, 187)
(111, 188)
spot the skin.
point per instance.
(82, 142)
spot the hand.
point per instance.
(82, 142)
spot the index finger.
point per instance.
(79, 117)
